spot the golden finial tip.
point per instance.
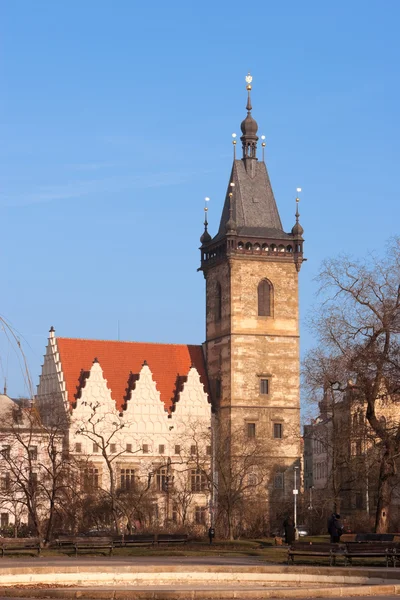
(248, 80)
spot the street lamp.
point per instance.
(295, 494)
(310, 506)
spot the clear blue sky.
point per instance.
(116, 122)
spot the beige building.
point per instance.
(342, 455)
(251, 267)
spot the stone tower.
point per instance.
(251, 269)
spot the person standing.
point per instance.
(335, 528)
(290, 531)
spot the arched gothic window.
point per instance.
(264, 293)
(218, 302)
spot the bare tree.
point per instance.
(358, 324)
(35, 473)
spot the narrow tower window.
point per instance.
(264, 298)
(218, 302)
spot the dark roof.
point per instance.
(254, 207)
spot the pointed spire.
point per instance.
(249, 126)
(206, 237)
(230, 224)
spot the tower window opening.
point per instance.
(251, 430)
(264, 294)
(248, 246)
(264, 386)
(265, 247)
(240, 245)
(218, 388)
(278, 431)
(218, 302)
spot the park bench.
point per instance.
(127, 541)
(17, 545)
(383, 549)
(374, 537)
(171, 538)
(85, 544)
(320, 549)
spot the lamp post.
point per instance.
(295, 494)
(310, 506)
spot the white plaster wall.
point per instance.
(52, 396)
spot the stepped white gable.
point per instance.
(145, 411)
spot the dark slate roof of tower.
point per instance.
(254, 208)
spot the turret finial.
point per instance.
(249, 126)
(297, 230)
(206, 237)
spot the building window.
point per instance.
(193, 450)
(78, 447)
(200, 515)
(91, 479)
(175, 513)
(279, 481)
(5, 452)
(32, 450)
(252, 479)
(17, 415)
(264, 295)
(161, 449)
(4, 520)
(251, 430)
(177, 449)
(5, 482)
(161, 479)
(113, 448)
(145, 448)
(208, 450)
(218, 388)
(278, 431)
(218, 302)
(198, 480)
(264, 386)
(33, 480)
(127, 479)
(129, 447)
(95, 448)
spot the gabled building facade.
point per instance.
(136, 415)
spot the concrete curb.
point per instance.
(162, 582)
(98, 594)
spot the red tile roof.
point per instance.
(167, 362)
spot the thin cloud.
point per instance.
(109, 185)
